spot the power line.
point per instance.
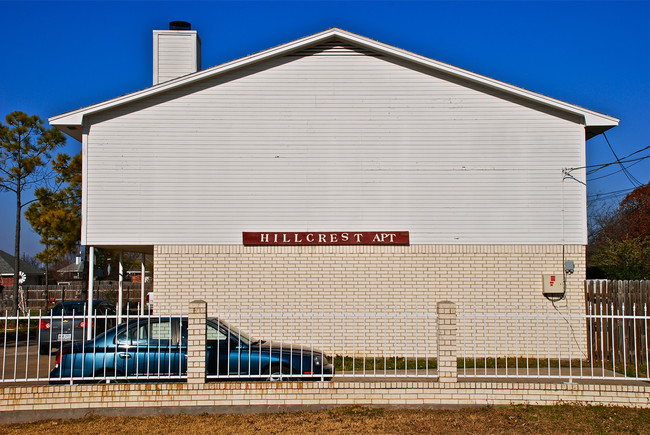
(624, 160)
(612, 192)
(604, 165)
(567, 172)
(607, 195)
(616, 172)
(637, 152)
(630, 177)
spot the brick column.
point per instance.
(447, 369)
(196, 337)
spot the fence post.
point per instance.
(196, 337)
(447, 366)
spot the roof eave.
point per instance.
(595, 130)
(71, 124)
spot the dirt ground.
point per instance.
(360, 420)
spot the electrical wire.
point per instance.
(630, 177)
(598, 167)
(607, 195)
(567, 172)
(604, 165)
(613, 192)
(616, 193)
(620, 170)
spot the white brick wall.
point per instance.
(20, 403)
(196, 342)
(368, 278)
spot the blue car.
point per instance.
(156, 348)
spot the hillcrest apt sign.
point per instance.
(326, 238)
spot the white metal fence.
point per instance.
(397, 340)
(310, 341)
(52, 346)
(507, 341)
(381, 340)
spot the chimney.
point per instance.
(176, 52)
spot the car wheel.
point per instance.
(44, 349)
(277, 372)
(106, 378)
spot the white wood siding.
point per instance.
(333, 142)
(175, 54)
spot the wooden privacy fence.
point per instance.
(617, 330)
(40, 297)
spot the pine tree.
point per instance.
(56, 214)
(25, 147)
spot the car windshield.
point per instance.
(69, 309)
(234, 332)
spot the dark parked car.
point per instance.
(66, 323)
(157, 348)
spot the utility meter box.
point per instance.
(553, 284)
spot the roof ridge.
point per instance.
(74, 118)
(7, 265)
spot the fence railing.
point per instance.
(509, 341)
(53, 347)
(41, 297)
(306, 342)
(319, 341)
(381, 340)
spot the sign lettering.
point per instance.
(326, 238)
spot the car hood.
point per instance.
(286, 347)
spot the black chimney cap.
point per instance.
(179, 25)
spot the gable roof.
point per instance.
(7, 265)
(73, 267)
(595, 123)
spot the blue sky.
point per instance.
(59, 56)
